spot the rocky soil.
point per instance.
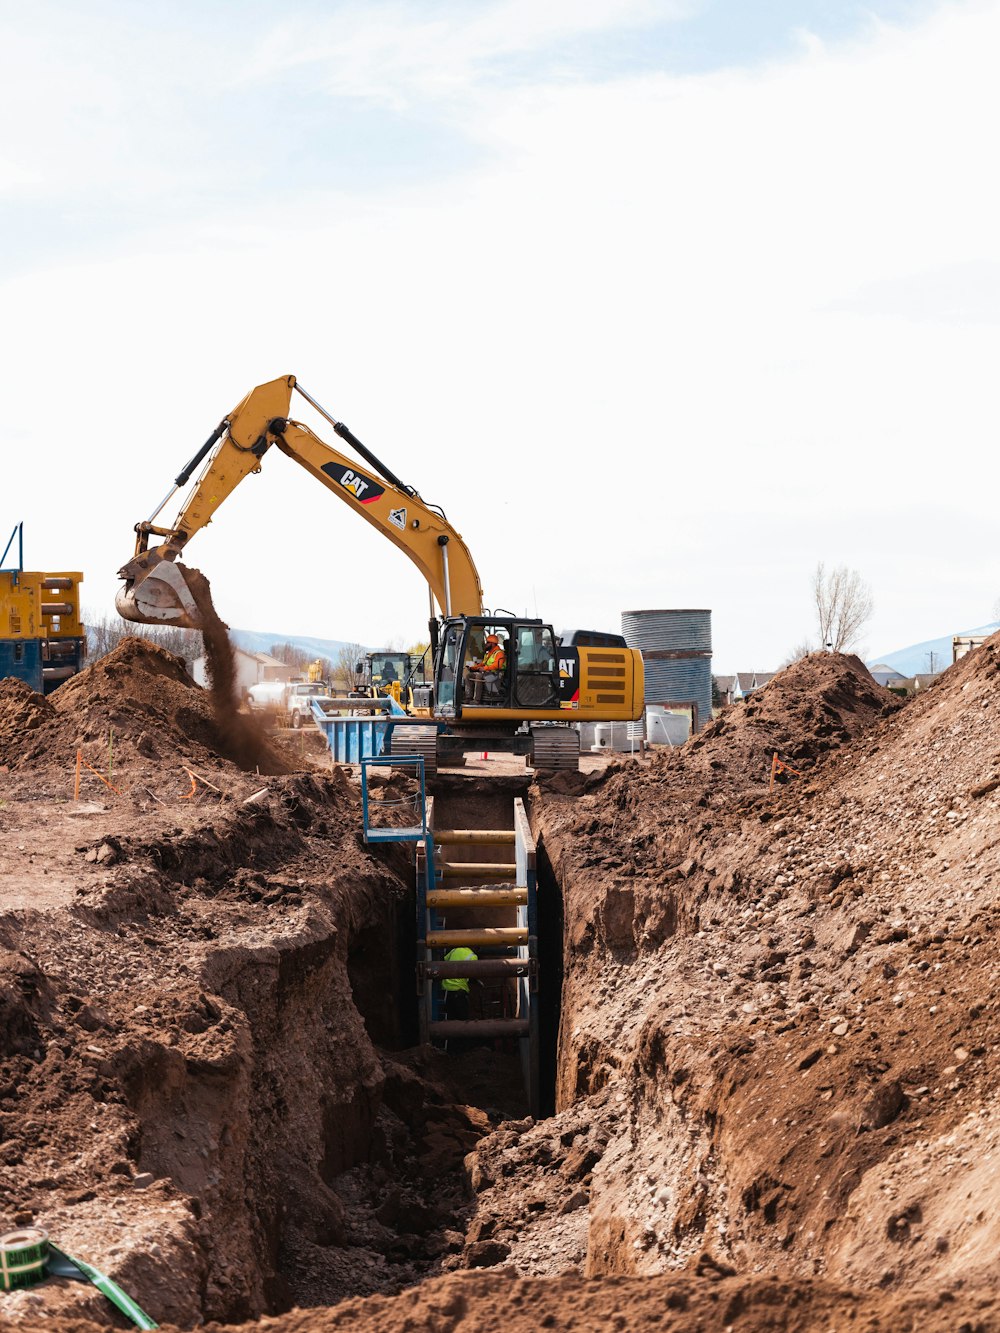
(775, 1078)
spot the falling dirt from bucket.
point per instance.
(246, 743)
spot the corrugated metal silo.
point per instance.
(676, 649)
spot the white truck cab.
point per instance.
(289, 702)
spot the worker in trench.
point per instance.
(456, 991)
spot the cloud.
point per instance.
(960, 293)
(399, 54)
(625, 346)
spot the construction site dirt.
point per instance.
(770, 1053)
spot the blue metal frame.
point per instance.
(409, 833)
(19, 534)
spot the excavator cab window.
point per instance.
(536, 682)
(482, 687)
(449, 665)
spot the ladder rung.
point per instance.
(512, 897)
(482, 1027)
(479, 870)
(480, 837)
(449, 939)
(482, 967)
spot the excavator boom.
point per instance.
(156, 590)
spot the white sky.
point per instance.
(663, 302)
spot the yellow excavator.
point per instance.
(524, 707)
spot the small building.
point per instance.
(887, 676)
(961, 644)
(729, 689)
(251, 669)
(915, 684)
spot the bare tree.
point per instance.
(106, 632)
(299, 659)
(844, 605)
(800, 650)
(350, 666)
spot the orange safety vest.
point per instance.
(495, 659)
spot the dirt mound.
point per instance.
(135, 705)
(189, 1093)
(813, 707)
(777, 1007)
(776, 1076)
(500, 1302)
(22, 711)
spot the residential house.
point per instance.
(729, 689)
(251, 669)
(887, 676)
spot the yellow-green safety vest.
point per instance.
(460, 955)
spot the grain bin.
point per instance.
(676, 649)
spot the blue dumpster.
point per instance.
(352, 739)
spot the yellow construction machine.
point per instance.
(42, 638)
(542, 683)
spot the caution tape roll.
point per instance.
(23, 1255)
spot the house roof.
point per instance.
(746, 680)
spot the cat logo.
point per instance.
(398, 518)
(361, 487)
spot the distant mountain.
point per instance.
(916, 659)
(260, 641)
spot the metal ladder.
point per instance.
(482, 888)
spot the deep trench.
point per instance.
(550, 973)
(318, 1168)
(399, 1165)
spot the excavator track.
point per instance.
(555, 749)
(421, 741)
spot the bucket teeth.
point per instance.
(162, 597)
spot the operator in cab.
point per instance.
(485, 676)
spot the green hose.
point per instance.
(61, 1264)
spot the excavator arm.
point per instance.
(155, 588)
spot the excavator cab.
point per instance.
(527, 680)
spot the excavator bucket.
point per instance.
(161, 597)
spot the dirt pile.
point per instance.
(807, 711)
(133, 709)
(778, 1011)
(190, 1094)
(22, 712)
(777, 1077)
(503, 1303)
